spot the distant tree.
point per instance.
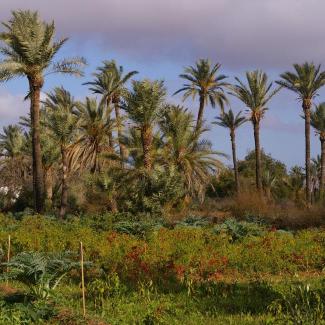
(232, 122)
(246, 166)
(95, 128)
(204, 81)
(184, 149)
(317, 120)
(305, 82)
(144, 106)
(63, 125)
(110, 82)
(295, 182)
(255, 95)
(15, 164)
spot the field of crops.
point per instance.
(190, 272)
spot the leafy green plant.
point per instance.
(40, 272)
(103, 288)
(26, 313)
(194, 221)
(300, 306)
(238, 230)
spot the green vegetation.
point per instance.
(170, 234)
(189, 271)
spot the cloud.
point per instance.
(249, 33)
(11, 107)
(276, 124)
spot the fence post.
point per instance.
(8, 254)
(82, 280)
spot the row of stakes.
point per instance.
(82, 273)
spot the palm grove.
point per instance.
(161, 159)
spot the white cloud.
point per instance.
(11, 107)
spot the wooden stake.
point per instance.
(82, 280)
(8, 254)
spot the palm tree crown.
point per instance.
(12, 141)
(256, 94)
(30, 49)
(317, 120)
(144, 106)
(305, 81)
(60, 119)
(95, 127)
(204, 81)
(231, 121)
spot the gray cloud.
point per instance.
(239, 33)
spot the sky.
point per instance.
(159, 38)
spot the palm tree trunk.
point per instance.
(322, 168)
(64, 182)
(146, 138)
(110, 134)
(48, 184)
(234, 158)
(257, 156)
(200, 113)
(35, 85)
(119, 131)
(306, 107)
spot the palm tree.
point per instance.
(232, 122)
(110, 83)
(12, 141)
(29, 50)
(50, 153)
(305, 82)
(205, 81)
(15, 162)
(295, 182)
(144, 106)
(317, 120)
(95, 129)
(63, 125)
(255, 95)
(269, 181)
(132, 142)
(183, 150)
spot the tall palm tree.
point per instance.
(305, 82)
(204, 80)
(144, 106)
(110, 83)
(317, 120)
(63, 125)
(95, 129)
(50, 153)
(184, 150)
(29, 50)
(232, 122)
(255, 95)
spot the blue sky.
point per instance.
(158, 38)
